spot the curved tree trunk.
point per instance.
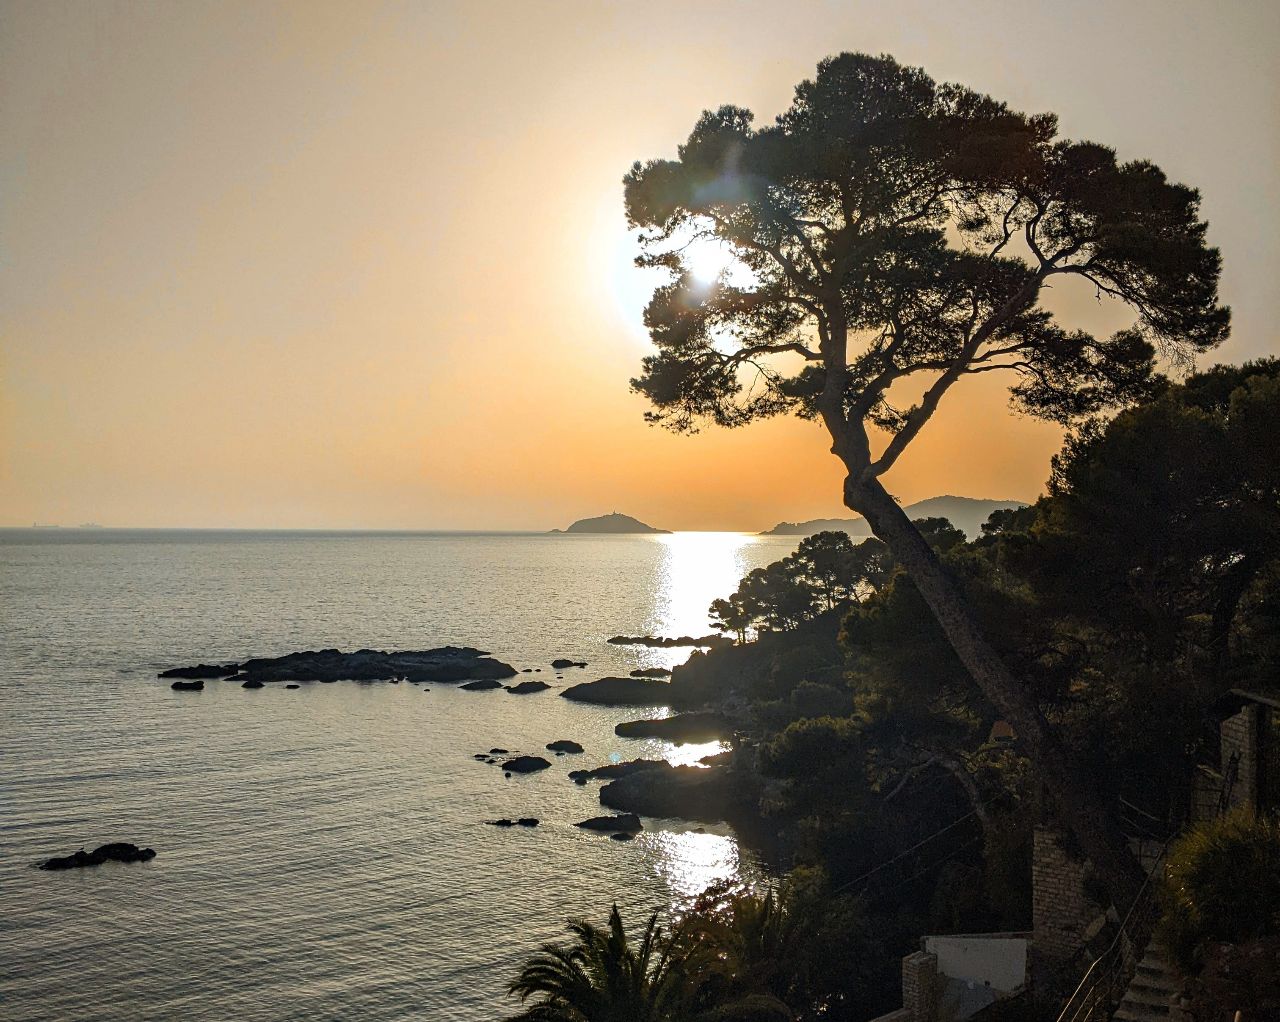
(1078, 806)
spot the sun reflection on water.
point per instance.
(698, 567)
(689, 755)
(690, 861)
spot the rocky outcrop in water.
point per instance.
(201, 671)
(705, 794)
(443, 664)
(117, 851)
(481, 686)
(560, 663)
(564, 745)
(621, 692)
(682, 728)
(612, 771)
(188, 686)
(651, 672)
(660, 642)
(624, 823)
(525, 764)
(526, 688)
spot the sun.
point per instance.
(707, 259)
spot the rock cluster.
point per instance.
(443, 664)
(666, 642)
(116, 851)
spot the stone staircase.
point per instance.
(1149, 996)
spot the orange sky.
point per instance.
(365, 265)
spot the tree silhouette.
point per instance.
(892, 237)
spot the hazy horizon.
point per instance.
(366, 266)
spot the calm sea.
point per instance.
(322, 852)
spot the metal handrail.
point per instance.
(1099, 984)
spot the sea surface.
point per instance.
(322, 851)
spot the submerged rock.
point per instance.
(527, 821)
(502, 823)
(663, 642)
(188, 686)
(498, 752)
(116, 851)
(525, 764)
(526, 688)
(564, 745)
(651, 672)
(623, 823)
(442, 664)
(560, 663)
(293, 686)
(621, 692)
(622, 835)
(252, 683)
(201, 671)
(682, 728)
(481, 686)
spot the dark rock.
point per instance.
(525, 764)
(622, 823)
(621, 836)
(579, 780)
(526, 670)
(480, 756)
(527, 821)
(564, 745)
(704, 794)
(612, 771)
(480, 686)
(293, 686)
(201, 671)
(252, 683)
(621, 692)
(502, 823)
(683, 727)
(188, 686)
(526, 688)
(662, 642)
(651, 672)
(443, 664)
(498, 752)
(116, 851)
(718, 758)
(560, 663)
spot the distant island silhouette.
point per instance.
(965, 513)
(612, 523)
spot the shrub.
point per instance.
(1222, 885)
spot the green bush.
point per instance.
(1221, 885)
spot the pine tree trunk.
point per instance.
(1078, 805)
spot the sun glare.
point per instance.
(707, 258)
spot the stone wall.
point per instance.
(920, 986)
(1240, 738)
(1064, 916)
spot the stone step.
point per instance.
(1151, 987)
(1128, 1012)
(1147, 995)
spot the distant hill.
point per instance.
(612, 523)
(966, 513)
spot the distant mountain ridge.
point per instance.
(612, 523)
(965, 513)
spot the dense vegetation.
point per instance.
(1140, 588)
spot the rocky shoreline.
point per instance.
(714, 791)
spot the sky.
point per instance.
(365, 265)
